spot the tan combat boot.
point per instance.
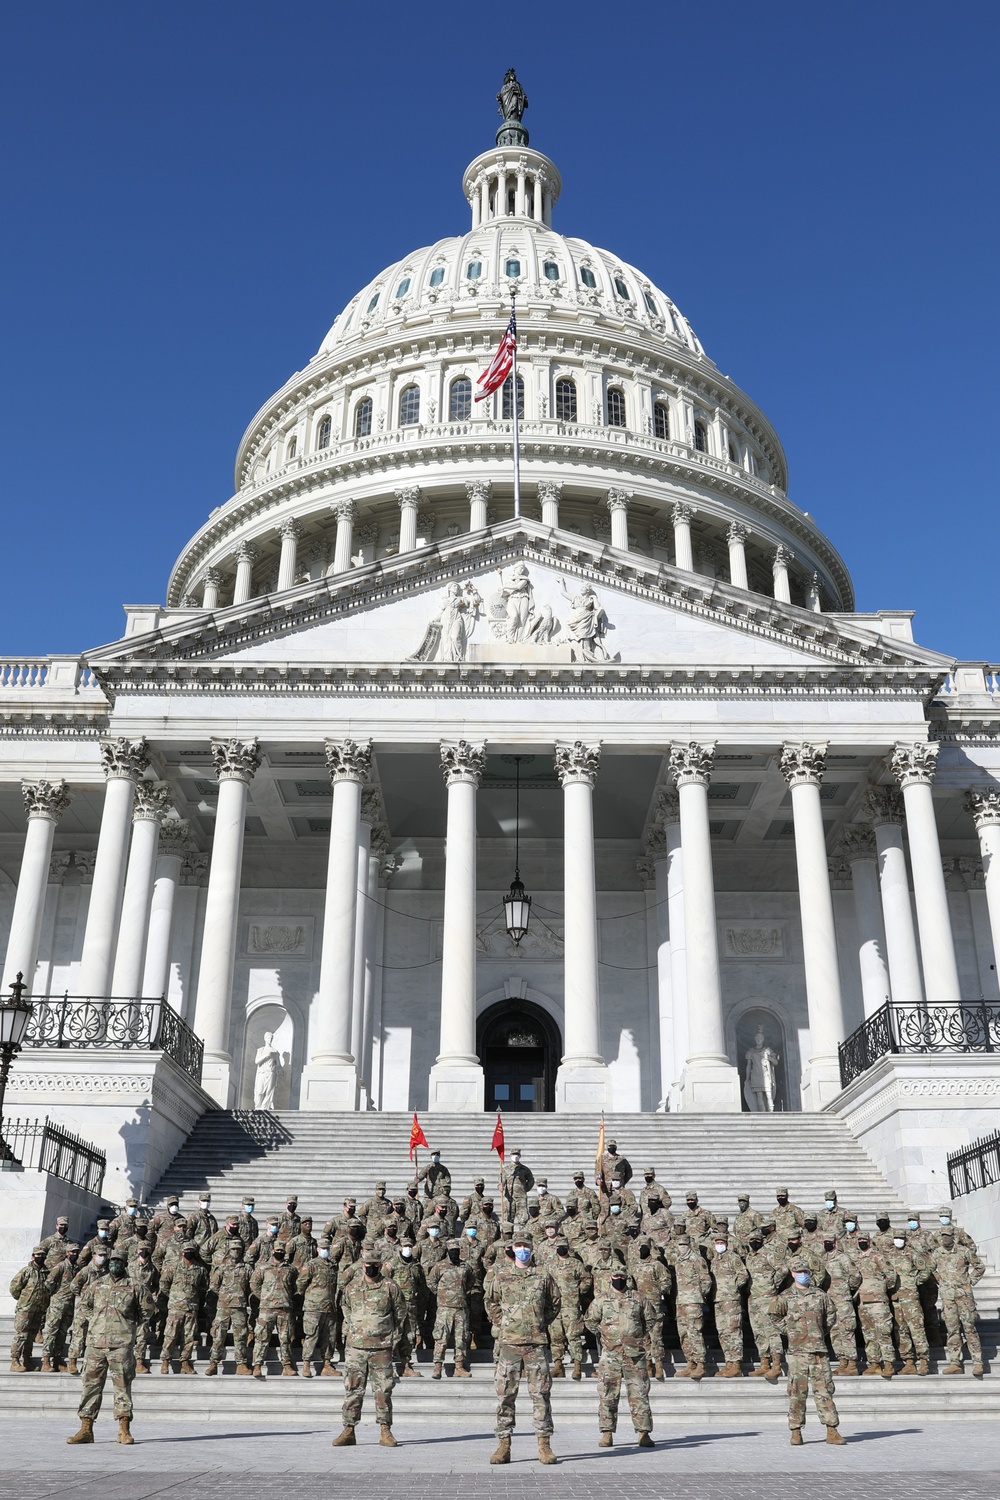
(908, 1368)
(345, 1440)
(683, 1374)
(86, 1433)
(773, 1372)
(558, 1370)
(606, 1440)
(386, 1439)
(850, 1367)
(47, 1366)
(329, 1369)
(842, 1367)
(955, 1368)
(142, 1368)
(462, 1370)
(697, 1372)
(796, 1437)
(833, 1436)
(211, 1368)
(657, 1370)
(545, 1454)
(16, 1367)
(888, 1370)
(257, 1373)
(187, 1368)
(125, 1432)
(872, 1369)
(306, 1370)
(243, 1370)
(289, 1370)
(578, 1370)
(501, 1453)
(406, 1371)
(164, 1367)
(73, 1368)
(762, 1368)
(923, 1368)
(979, 1369)
(438, 1370)
(644, 1440)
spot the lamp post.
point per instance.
(15, 1013)
(516, 905)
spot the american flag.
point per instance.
(502, 362)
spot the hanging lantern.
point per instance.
(516, 905)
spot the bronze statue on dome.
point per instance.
(512, 101)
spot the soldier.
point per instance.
(317, 1288)
(434, 1176)
(451, 1282)
(805, 1315)
(487, 1224)
(338, 1226)
(413, 1207)
(213, 1251)
(957, 1269)
(576, 1286)
(289, 1223)
(615, 1170)
(301, 1248)
(657, 1224)
(78, 1339)
(55, 1245)
(621, 1318)
(551, 1207)
(763, 1286)
(162, 1224)
(654, 1282)
(146, 1280)
(230, 1284)
(925, 1243)
(878, 1280)
(262, 1248)
(407, 1272)
(746, 1221)
(374, 1314)
(694, 1283)
(522, 1301)
(472, 1205)
(59, 1318)
(99, 1242)
(183, 1283)
(962, 1237)
(544, 1244)
(729, 1278)
(443, 1210)
(912, 1270)
(202, 1223)
(831, 1220)
(787, 1215)
(142, 1236)
(588, 1203)
(112, 1306)
(844, 1279)
(697, 1220)
(882, 1239)
(518, 1180)
(274, 1286)
(248, 1226)
(812, 1235)
(31, 1291)
(122, 1227)
(652, 1189)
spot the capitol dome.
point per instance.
(615, 393)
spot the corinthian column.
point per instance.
(710, 1080)
(549, 494)
(779, 572)
(408, 500)
(246, 556)
(885, 811)
(211, 582)
(330, 1081)
(859, 851)
(618, 502)
(985, 809)
(736, 537)
(456, 1079)
(913, 767)
(803, 767)
(44, 802)
(289, 532)
(478, 491)
(346, 512)
(124, 762)
(236, 763)
(152, 799)
(175, 842)
(683, 555)
(371, 814)
(583, 1081)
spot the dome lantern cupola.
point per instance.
(512, 181)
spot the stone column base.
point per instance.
(457, 1088)
(216, 1080)
(820, 1084)
(711, 1088)
(582, 1087)
(329, 1085)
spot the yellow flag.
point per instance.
(599, 1159)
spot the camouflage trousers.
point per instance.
(804, 1369)
(406, 1339)
(145, 1336)
(78, 1337)
(876, 1331)
(58, 1322)
(959, 1308)
(451, 1326)
(765, 1335)
(27, 1326)
(361, 1367)
(533, 1359)
(317, 1335)
(180, 1327)
(566, 1332)
(227, 1318)
(691, 1331)
(100, 1359)
(655, 1347)
(843, 1335)
(911, 1336)
(281, 1320)
(614, 1368)
(729, 1327)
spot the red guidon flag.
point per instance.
(502, 362)
(417, 1137)
(497, 1142)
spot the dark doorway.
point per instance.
(519, 1047)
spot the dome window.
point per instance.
(661, 420)
(374, 302)
(512, 268)
(325, 429)
(409, 406)
(587, 277)
(622, 289)
(363, 418)
(507, 410)
(616, 407)
(651, 306)
(437, 276)
(292, 449)
(460, 400)
(701, 437)
(474, 270)
(565, 400)
(403, 288)
(734, 457)
(551, 271)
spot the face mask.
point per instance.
(324, 1255)
(131, 1213)
(830, 1203)
(944, 1219)
(616, 1183)
(756, 1245)
(563, 1250)
(578, 1182)
(899, 1243)
(372, 1272)
(232, 1231)
(550, 1232)
(782, 1197)
(38, 1260)
(433, 1233)
(692, 1203)
(99, 1260)
(248, 1208)
(802, 1278)
(102, 1234)
(411, 1192)
(643, 1252)
(721, 1249)
(516, 1158)
(829, 1245)
(202, 1202)
(63, 1229)
(616, 1208)
(272, 1229)
(435, 1158)
(572, 1211)
(863, 1244)
(406, 1252)
(453, 1257)
(650, 1178)
(913, 1223)
(471, 1232)
(655, 1205)
(882, 1223)
(533, 1212)
(173, 1209)
(522, 1255)
(851, 1226)
(143, 1256)
(619, 1283)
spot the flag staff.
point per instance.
(514, 404)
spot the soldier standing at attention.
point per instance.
(230, 1283)
(374, 1315)
(652, 1189)
(957, 1269)
(787, 1215)
(184, 1284)
(274, 1285)
(730, 1278)
(473, 1204)
(55, 1244)
(248, 1226)
(112, 1310)
(202, 1223)
(622, 1319)
(518, 1180)
(805, 1315)
(317, 1287)
(522, 1302)
(59, 1318)
(451, 1281)
(146, 1280)
(745, 1222)
(434, 1176)
(31, 1291)
(575, 1285)
(694, 1282)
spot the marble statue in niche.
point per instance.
(267, 1062)
(760, 1079)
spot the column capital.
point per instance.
(388, 866)
(840, 872)
(408, 498)
(655, 842)
(737, 533)
(175, 836)
(153, 800)
(781, 557)
(577, 762)
(213, 576)
(58, 866)
(914, 765)
(246, 552)
(883, 804)
(803, 764)
(858, 841)
(349, 760)
(462, 761)
(379, 845)
(290, 528)
(372, 807)
(681, 513)
(668, 805)
(646, 870)
(84, 860)
(971, 873)
(984, 806)
(476, 489)
(123, 759)
(692, 764)
(236, 760)
(45, 799)
(345, 510)
(618, 499)
(194, 870)
(550, 489)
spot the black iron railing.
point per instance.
(125, 1025)
(978, 1166)
(919, 1028)
(51, 1148)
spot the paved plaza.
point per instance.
(191, 1461)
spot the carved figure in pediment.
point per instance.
(448, 634)
(586, 624)
(512, 607)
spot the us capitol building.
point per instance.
(289, 801)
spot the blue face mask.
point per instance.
(522, 1255)
(944, 1219)
(472, 1233)
(913, 1223)
(802, 1278)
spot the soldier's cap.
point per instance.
(810, 1218)
(131, 1203)
(551, 1224)
(399, 1202)
(62, 1221)
(767, 1222)
(720, 1232)
(522, 1239)
(40, 1250)
(507, 1231)
(899, 1234)
(487, 1202)
(682, 1239)
(379, 1185)
(590, 1224)
(324, 1242)
(882, 1213)
(207, 1196)
(236, 1245)
(612, 1145)
(278, 1248)
(650, 1170)
(795, 1233)
(946, 1209)
(541, 1182)
(371, 1257)
(560, 1241)
(643, 1239)
(350, 1202)
(232, 1222)
(947, 1233)
(479, 1182)
(289, 1197)
(104, 1223)
(691, 1193)
(579, 1172)
(799, 1264)
(722, 1222)
(830, 1193)
(173, 1199)
(273, 1219)
(190, 1249)
(912, 1213)
(779, 1190)
(453, 1244)
(743, 1197)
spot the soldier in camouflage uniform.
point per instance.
(31, 1291)
(763, 1286)
(274, 1287)
(317, 1288)
(787, 1215)
(248, 1226)
(654, 1281)
(472, 1204)
(518, 1180)
(694, 1282)
(55, 1244)
(99, 1243)
(162, 1223)
(146, 1280)
(622, 1320)
(746, 1221)
(184, 1283)
(843, 1280)
(523, 1301)
(289, 1223)
(78, 1338)
(407, 1273)
(550, 1206)
(122, 1226)
(451, 1282)
(957, 1269)
(878, 1281)
(652, 1189)
(730, 1278)
(805, 1315)
(230, 1285)
(259, 1251)
(374, 1314)
(588, 1203)
(831, 1220)
(59, 1318)
(697, 1220)
(434, 1176)
(112, 1309)
(912, 1269)
(576, 1285)
(300, 1249)
(202, 1223)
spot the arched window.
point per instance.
(292, 449)
(325, 429)
(403, 288)
(661, 420)
(507, 410)
(616, 407)
(374, 302)
(565, 400)
(734, 457)
(512, 268)
(474, 270)
(363, 418)
(460, 399)
(437, 276)
(551, 271)
(622, 289)
(587, 276)
(701, 437)
(651, 306)
(409, 406)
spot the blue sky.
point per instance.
(193, 192)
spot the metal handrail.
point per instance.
(928, 1028)
(120, 1024)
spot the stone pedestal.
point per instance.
(329, 1085)
(582, 1087)
(456, 1088)
(711, 1088)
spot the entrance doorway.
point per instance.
(519, 1046)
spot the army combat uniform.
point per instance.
(451, 1281)
(317, 1287)
(622, 1318)
(31, 1291)
(576, 1286)
(523, 1301)
(230, 1285)
(59, 1318)
(274, 1286)
(957, 1269)
(112, 1307)
(374, 1313)
(694, 1282)
(804, 1315)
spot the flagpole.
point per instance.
(517, 441)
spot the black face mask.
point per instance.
(649, 1178)
(391, 1231)
(619, 1283)
(756, 1245)
(453, 1257)
(655, 1204)
(578, 1182)
(810, 1225)
(533, 1213)
(508, 1250)
(373, 1272)
(573, 1210)
(643, 1252)
(882, 1223)
(692, 1203)
(782, 1197)
(863, 1244)
(829, 1245)
(562, 1250)
(38, 1260)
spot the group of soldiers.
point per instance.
(553, 1284)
